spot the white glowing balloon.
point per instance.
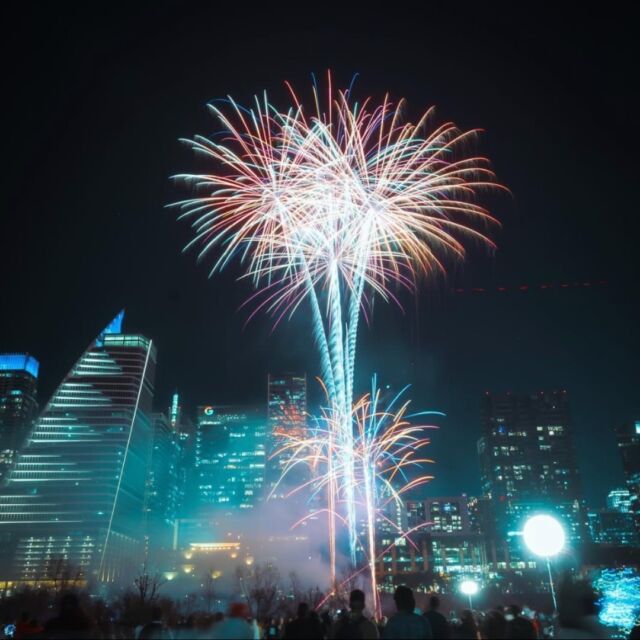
(544, 536)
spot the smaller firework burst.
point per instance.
(387, 462)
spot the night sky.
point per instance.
(95, 100)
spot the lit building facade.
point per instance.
(75, 496)
(446, 542)
(286, 413)
(528, 466)
(184, 430)
(612, 528)
(621, 500)
(230, 456)
(18, 404)
(164, 487)
(456, 545)
(628, 437)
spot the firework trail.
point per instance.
(335, 204)
(387, 445)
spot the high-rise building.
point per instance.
(286, 414)
(183, 427)
(628, 436)
(164, 490)
(18, 404)
(528, 466)
(74, 498)
(230, 455)
(612, 528)
(446, 537)
(620, 500)
(447, 515)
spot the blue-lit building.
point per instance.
(612, 528)
(18, 404)
(447, 541)
(628, 436)
(528, 466)
(230, 457)
(182, 427)
(621, 500)
(286, 414)
(75, 495)
(165, 490)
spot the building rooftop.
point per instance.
(19, 362)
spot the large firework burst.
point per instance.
(335, 204)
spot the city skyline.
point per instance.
(548, 123)
(270, 412)
(188, 491)
(474, 487)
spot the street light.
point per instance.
(545, 537)
(469, 588)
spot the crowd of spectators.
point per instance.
(576, 617)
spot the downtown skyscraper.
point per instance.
(286, 413)
(18, 404)
(628, 437)
(75, 495)
(183, 428)
(446, 537)
(528, 466)
(230, 457)
(165, 489)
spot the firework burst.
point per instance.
(335, 204)
(387, 460)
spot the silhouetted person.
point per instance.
(494, 626)
(578, 611)
(234, 625)
(272, 630)
(327, 624)
(537, 624)
(467, 629)
(26, 627)
(156, 629)
(439, 624)
(519, 627)
(303, 626)
(406, 624)
(71, 622)
(355, 625)
(315, 618)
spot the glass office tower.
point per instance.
(183, 427)
(286, 413)
(628, 436)
(528, 466)
(75, 496)
(164, 490)
(18, 404)
(230, 454)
